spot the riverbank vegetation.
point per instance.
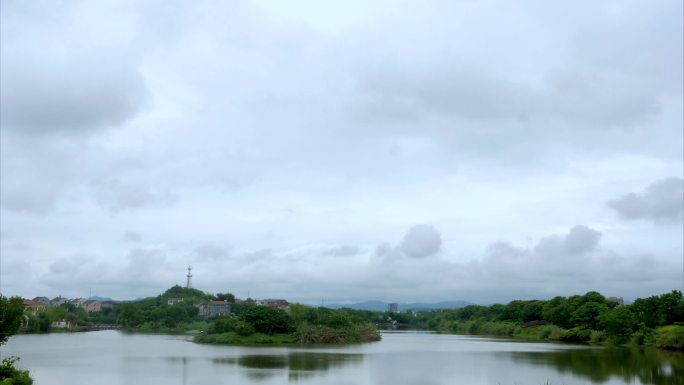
(655, 321)
(11, 317)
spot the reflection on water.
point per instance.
(298, 365)
(649, 366)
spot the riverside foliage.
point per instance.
(656, 321)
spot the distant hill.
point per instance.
(383, 306)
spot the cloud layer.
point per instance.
(423, 150)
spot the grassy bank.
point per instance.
(233, 338)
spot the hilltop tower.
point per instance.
(188, 284)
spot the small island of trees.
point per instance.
(249, 323)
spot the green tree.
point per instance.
(532, 311)
(586, 316)
(671, 308)
(618, 322)
(11, 314)
(225, 297)
(267, 320)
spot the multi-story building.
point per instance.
(213, 308)
(218, 308)
(276, 303)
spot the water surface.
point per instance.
(115, 358)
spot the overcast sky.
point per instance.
(391, 150)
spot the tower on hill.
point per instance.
(189, 282)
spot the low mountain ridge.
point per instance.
(375, 305)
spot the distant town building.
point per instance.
(174, 300)
(213, 308)
(393, 307)
(78, 302)
(218, 308)
(34, 306)
(202, 308)
(618, 300)
(276, 303)
(92, 306)
(61, 324)
(57, 301)
(44, 300)
(107, 305)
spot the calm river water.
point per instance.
(112, 357)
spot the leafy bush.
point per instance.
(670, 337)
(596, 336)
(9, 375)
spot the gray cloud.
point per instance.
(132, 236)
(80, 94)
(661, 202)
(117, 196)
(64, 73)
(421, 241)
(211, 252)
(35, 173)
(341, 251)
(578, 98)
(581, 239)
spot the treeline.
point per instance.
(657, 320)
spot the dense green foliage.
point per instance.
(255, 325)
(669, 337)
(156, 315)
(586, 318)
(11, 315)
(324, 326)
(9, 375)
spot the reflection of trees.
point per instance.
(599, 365)
(300, 365)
